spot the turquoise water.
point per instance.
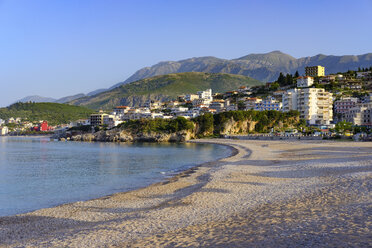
(38, 173)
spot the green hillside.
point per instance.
(54, 113)
(165, 87)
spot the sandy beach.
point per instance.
(267, 194)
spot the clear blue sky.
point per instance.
(57, 48)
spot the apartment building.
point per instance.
(97, 119)
(344, 104)
(314, 105)
(360, 115)
(315, 71)
(206, 95)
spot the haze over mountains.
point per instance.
(263, 67)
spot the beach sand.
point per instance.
(268, 194)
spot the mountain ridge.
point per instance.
(164, 88)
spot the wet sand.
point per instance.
(269, 194)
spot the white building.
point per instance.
(121, 110)
(4, 130)
(206, 95)
(259, 104)
(303, 82)
(137, 113)
(364, 74)
(250, 103)
(111, 120)
(189, 114)
(177, 110)
(268, 103)
(81, 122)
(10, 120)
(314, 105)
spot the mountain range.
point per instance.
(264, 67)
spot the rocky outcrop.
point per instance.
(116, 135)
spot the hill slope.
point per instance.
(69, 98)
(54, 113)
(164, 87)
(263, 67)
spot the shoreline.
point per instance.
(181, 172)
(255, 174)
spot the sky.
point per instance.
(56, 48)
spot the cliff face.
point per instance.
(237, 127)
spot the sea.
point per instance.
(37, 172)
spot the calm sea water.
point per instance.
(38, 173)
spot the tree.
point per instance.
(288, 79)
(281, 79)
(296, 74)
(343, 126)
(274, 86)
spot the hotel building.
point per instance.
(314, 105)
(315, 71)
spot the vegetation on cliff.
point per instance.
(247, 121)
(54, 113)
(232, 122)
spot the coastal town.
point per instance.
(322, 101)
(213, 124)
